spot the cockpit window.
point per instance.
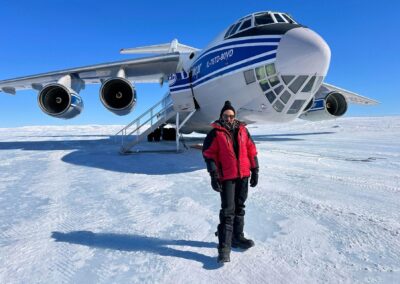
(246, 24)
(288, 19)
(229, 30)
(235, 28)
(232, 29)
(279, 18)
(260, 19)
(263, 19)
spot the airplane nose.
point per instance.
(302, 51)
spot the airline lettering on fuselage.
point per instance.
(196, 70)
(172, 79)
(221, 57)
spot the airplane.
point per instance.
(268, 65)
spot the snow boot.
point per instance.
(224, 242)
(224, 255)
(238, 239)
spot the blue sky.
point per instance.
(40, 36)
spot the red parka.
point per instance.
(218, 148)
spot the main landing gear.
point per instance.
(162, 133)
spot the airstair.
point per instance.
(146, 123)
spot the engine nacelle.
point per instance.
(327, 105)
(118, 95)
(60, 101)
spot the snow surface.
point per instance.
(326, 210)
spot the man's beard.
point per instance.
(229, 125)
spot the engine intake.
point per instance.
(332, 106)
(336, 104)
(59, 101)
(118, 95)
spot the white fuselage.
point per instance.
(270, 73)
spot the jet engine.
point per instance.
(118, 95)
(60, 101)
(327, 105)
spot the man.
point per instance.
(231, 157)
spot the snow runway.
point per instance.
(326, 208)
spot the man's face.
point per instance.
(228, 116)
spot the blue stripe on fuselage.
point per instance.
(318, 105)
(228, 70)
(221, 59)
(221, 56)
(236, 42)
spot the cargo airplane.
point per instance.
(269, 66)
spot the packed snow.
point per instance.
(326, 210)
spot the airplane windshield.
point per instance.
(269, 18)
(263, 19)
(279, 18)
(287, 18)
(258, 19)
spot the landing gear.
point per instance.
(166, 134)
(169, 134)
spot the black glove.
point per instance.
(254, 177)
(215, 184)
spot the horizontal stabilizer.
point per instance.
(173, 46)
(352, 97)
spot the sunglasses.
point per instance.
(226, 116)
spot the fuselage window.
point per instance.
(263, 19)
(279, 18)
(273, 81)
(249, 76)
(309, 85)
(295, 86)
(270, 96)
(260, 72)
(246, 24)
(270, 69)
(295, 107)
(278, 106)
(285, 97)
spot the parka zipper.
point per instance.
(238, 155)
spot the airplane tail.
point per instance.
(173, 46)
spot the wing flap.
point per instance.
(148, 69)
(352, 97)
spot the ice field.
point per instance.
(326, 210)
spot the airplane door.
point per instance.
(182, 93)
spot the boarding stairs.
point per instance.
(150, 120)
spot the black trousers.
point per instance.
(233, 196)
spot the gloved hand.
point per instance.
(215, 184)
(254, 177)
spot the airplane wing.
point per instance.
(147, 69)
(352, 97)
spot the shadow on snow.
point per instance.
(103, 153)
(138, 243)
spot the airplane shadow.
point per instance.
(138, 243)
(103, 154)
(287, 137)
